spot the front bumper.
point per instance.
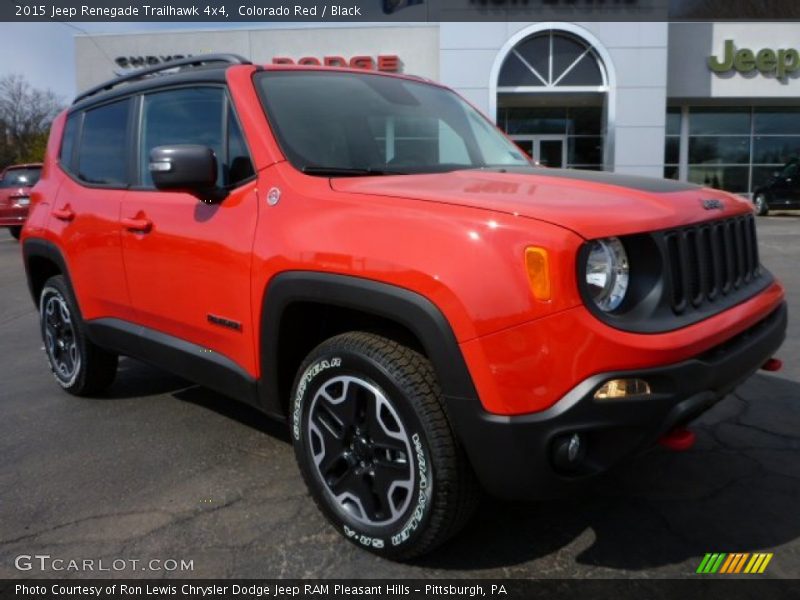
(512, 455)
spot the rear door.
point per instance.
(188, 267)
(85, 214)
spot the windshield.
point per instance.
(332, 123)
(20, 177)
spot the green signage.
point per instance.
(780, 63)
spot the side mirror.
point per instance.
(186, 167)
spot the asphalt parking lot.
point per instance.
(160, 469)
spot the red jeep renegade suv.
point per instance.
(367, 257)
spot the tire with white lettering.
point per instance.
(376, 449)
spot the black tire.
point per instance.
(78, 365)
(762, 207)
(15, 232)
(438, 490)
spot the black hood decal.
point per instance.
(636, 182)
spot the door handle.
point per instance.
(137, 225)
(64, 214)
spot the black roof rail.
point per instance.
(194, 61)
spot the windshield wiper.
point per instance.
(348, 171)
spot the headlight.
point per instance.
(607, 273)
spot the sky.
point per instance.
(45, 52)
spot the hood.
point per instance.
(590, 203)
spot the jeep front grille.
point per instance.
(710, 260)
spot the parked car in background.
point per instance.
(782, 191)
(15, 187)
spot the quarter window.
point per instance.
(239, 167)
(68, 140)
(102, 156)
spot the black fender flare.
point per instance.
(405, 307)
(38, 247)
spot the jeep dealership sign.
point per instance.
(780, 63)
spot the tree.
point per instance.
(25, 117)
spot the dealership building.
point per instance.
(713, 103)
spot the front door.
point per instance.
(188, 261)
(547, 150)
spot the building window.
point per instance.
(736, 149)
(552, 59)
(580, 127)
(551, 92)
(672, 149)
(776, 141)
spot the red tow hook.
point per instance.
(678, 440)
(773, 364)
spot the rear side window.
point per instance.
(68, 140)
(102, 155)
(26, 177)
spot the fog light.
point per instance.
(622, 388)
(568, 451)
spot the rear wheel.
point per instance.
(79, 366)
(15, 232)
(760, 202)
(376, 449)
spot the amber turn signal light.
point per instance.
(538, 267)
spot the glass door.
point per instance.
(551, 151)
(546, 150)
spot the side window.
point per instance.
(789, 170)
(102, 155)
(68, 141)
(239, 166)
(184, 116)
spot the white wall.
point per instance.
(638, 56)
(416, 45)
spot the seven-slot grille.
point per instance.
(711, 260)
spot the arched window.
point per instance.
(552, 61)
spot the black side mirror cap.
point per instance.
(184, 167)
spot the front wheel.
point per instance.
(376, 449)
(760, 202)
(80, 367)
(15, 232)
